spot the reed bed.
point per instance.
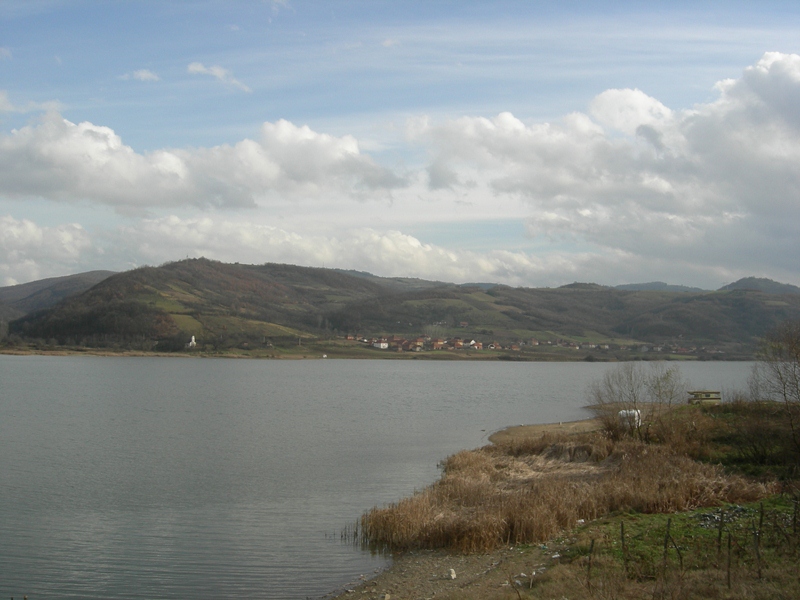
(528, 492)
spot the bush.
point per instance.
(652, 389)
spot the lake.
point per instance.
(149, 478)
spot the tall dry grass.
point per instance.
(529, 492)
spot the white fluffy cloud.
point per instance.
(30, 251)
(387, 253)
(718, 183)
(60, 160)
(630, 190)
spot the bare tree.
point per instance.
(776, 374)
(633, 397)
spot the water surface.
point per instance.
(189, 478)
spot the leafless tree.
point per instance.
(776, 374)
(649, 388)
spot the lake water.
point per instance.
(150, 478)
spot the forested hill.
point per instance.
(253, 306)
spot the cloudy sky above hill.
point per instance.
(527, 143)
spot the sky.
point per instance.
(519, 142)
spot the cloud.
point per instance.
(5, 54)
(628, 190)
(5, 103)
(277, 5)
(718, 183)
(7, 106)
(388, 253)
(60, 160)
(220, 73)
(142, 75)
(393, 253)
(31, 252)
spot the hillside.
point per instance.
(44, 293)
(218, 302)
(659, 286)
(762, 284)
(256, 307)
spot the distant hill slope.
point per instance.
(590, 313)
(9, 313)
(394, 283)
(44, 293)
(209, 299)
(223, 305)
(659, 286)
(762, 284)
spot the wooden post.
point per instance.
(589, 568)
(756, 536)
(729, 560)
(624, 545)
(664, 561)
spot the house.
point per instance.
(437, 343)
(396, 342)
(707, 397)
(381, 344)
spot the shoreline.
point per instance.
(336, 354)
(310, 354)
(427, 573)
(517, 432)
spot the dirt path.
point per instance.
(426, 574)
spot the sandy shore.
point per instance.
(426, 574)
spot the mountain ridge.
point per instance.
(231, 305)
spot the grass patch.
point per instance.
(187, 324)
(734, 551)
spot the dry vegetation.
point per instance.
(529, 492)
(596, 515)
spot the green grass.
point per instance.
(187, 324)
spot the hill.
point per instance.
(266, 306)
(659, 286)
(44, 293)
(219, 302)
(762, 284)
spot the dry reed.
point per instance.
(529, 492)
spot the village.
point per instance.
(427, 343)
